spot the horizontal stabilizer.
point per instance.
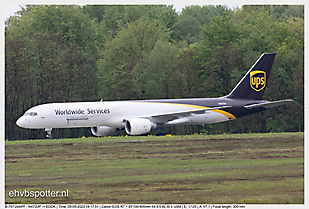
(268, 105)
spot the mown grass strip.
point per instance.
(245, 168)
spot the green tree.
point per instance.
(190, 71)
(187, 28)
(132, 44)
(165, 14)
(226, 63)
(61, 69)
(18, 83)
(114, 17)
(220, 31)
(156, 76)
(44, 69)
(205, 14)
(75, 26)
(72, 53)
(195, 17)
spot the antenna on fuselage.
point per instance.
(101, 100)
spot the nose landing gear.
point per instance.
(48, 132)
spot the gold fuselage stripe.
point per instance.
(225, 113)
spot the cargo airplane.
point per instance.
(139, 117)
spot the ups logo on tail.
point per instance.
(257, 80)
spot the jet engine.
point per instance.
(138, 126)
(102, 130)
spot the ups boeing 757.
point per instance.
(139, 117)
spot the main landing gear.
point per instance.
(161, 129)
(48, 132)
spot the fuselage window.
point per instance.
(31, 114)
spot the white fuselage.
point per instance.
(112, 114)
(141, 116)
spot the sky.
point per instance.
(9, 10)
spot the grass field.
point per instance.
(242, 168)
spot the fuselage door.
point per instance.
(42, 114)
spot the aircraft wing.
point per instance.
(268, 105)
(180, 116)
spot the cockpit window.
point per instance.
(31, 114)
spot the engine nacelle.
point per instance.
(138, 126)
(102, 130)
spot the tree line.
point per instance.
(69, 53)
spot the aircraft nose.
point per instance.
(20, 122)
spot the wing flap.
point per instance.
(165, 117)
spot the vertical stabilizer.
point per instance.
(253, 84)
